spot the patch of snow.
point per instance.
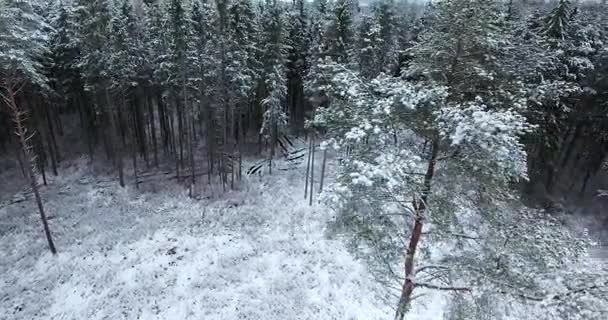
(124, 254)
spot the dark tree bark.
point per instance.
(312, 167)
(24, 140)
(52, 143)
(323, 170)
(152, 122)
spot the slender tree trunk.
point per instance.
(273, 144)
(115, 127)
(308, 168)
(52, 142)
(191, 135)
(134, 150)
(420, 206)
(240, 143)
(107, 133)
(234, 136)
(41, 155)
(58, 124)
(162, 119)
(87, 124)
(22, 165)
(571, 145)
(323, 170)
(140, 106)
(312, 168)
(23, 137)
(152, 121)
(180, 133)
(174, 146)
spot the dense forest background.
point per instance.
(199, 83)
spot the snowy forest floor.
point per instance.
(257, 253)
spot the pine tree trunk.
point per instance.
(134, 150)
(312, 168)
(308, 169)
(152, 124)
(180, 133)
(51, 143)
(416, 233)
(87, 125)
(141, 127)
(571, 145)
(240, 145)
(162, 119)
(323, 170)
(232, 160)
(191, 134)
(115, 126)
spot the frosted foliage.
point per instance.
(22, 41)
(476, 234)
(274, 116)
(486, 137)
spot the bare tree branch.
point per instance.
(441, 288)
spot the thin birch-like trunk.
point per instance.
(24, 140)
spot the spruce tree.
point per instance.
(340, 33)
(274, 59)
(297, 66)
(370, 47)
(556, 23)
(384, 12)
(202, 56)
(179, 34)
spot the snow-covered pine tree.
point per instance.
(242, 29)
(297, 66)
(340, 31)
(179, 34)
(157, 49)
(434, 161)
(94, 21)
(64, 52)
(563, 92)
(274, 60)
(317, 53)
(129, 73)
(202, 57)
(369, 43)
(242, 72)
(121, 68)
(94, 34)
(223, 88)
(384, 13)
(556, 23)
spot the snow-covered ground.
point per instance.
(258, 253)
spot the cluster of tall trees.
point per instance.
(155, 80)
(424, 100)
